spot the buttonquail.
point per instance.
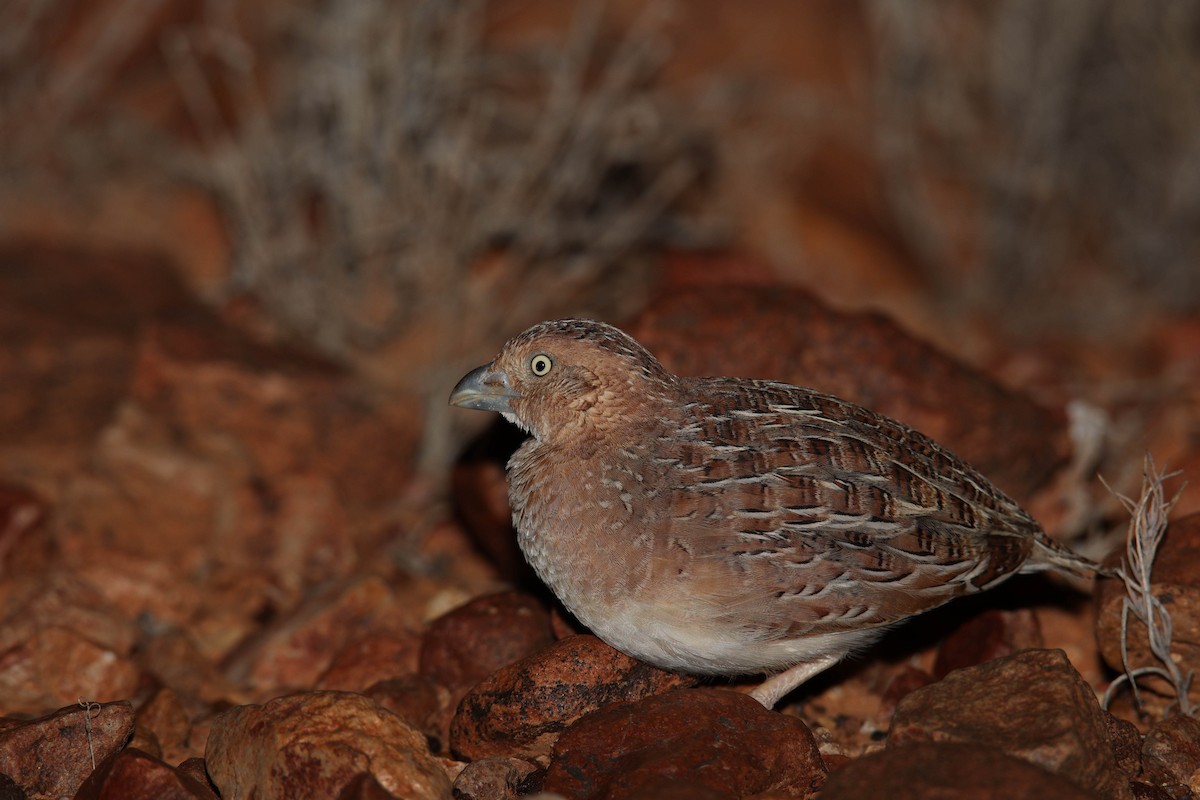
(723, 526)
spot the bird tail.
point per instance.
(1049, 554)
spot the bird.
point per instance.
(725, 526)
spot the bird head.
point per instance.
(559, 378)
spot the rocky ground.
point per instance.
(239, 563)
(222, 578)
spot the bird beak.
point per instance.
(485, 390)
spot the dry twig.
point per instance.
(1146, 530)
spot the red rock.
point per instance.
(144, 494)
(60, 641)
(520, 710)
(56, 666)
(70, 312)
(137, 586)
(295, 649)
(9, 790)
(164, 720)
(1171, 752)
(22, 514)
(364, 786)
(60, 599)
(51, 756)
(173, 659)
(234, 458)
(1176, 582)
(236, 605)
(1032, 705)
(132, 773)
(289, 412)
(1127, 745)
(992, 634)
(466, 645)
(419, 701)
(479, 489)
(904, 682)
(314, 744)
(373, 658)
(492, 779)
(717, 738)
(195, 769)
(948, 771)
(299, 522)
(562, 624)
(720, 330)
(1148, 791)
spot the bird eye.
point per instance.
(540, 364)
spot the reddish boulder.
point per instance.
(721, 740)
(520, 710)
(315, 744)
(948, 771)
(468, 644)
(1032, 705)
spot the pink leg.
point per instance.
(776, 686)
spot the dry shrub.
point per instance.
(56, 60)
(1044, 158)
(385, 149)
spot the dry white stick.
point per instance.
(1146, 530)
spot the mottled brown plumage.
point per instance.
(725, 526)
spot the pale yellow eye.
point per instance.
(540, 364)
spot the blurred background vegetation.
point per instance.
(399, 185)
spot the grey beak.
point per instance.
(484, 390)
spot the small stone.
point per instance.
(50, 757)
(717, 738)
(375, 657)
(419, 701)
(173, 658)
(56, 666)
(195, 769)
(1126, 744)
(137, 586)
(364, 786)
(495, 778)
(58, 598)
(68, 320)
(562, 624)
(521, 709)
(22, 514)
(947, 771)
(294, 650)
(133, 773)
(468, 644)
(992, 634)
(1148, 791)
(907, 680)
(1171, 752)
(1032, 705)
(314, 744)
(164, 720)
(480, 492)
(9, 790)
(59, 641)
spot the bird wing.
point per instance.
(809, 514)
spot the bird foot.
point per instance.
(772, 689)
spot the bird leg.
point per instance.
(773, 688)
